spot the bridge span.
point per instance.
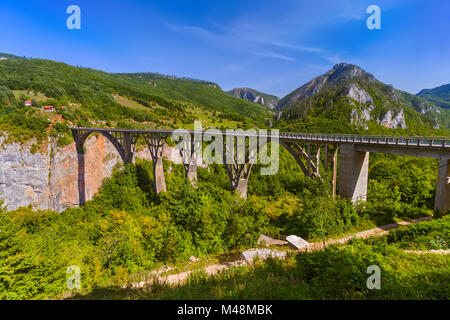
(306, 148)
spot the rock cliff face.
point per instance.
(48, 179)
(254, 96)
(361, 114)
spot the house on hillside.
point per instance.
(28, 103)
(57, 118)
(48, 108)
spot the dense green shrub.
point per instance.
(434, 234)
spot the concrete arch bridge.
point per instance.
(352, 152)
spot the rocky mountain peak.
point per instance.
(345, 71)
(339, 73)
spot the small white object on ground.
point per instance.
(264, 240)
(193, 259)
(297, 243)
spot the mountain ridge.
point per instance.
(438, 95)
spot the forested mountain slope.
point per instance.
(348, 99)
(439, 95)
(207, 94)
(87, 97)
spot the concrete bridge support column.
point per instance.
(442, 199)
(191, 174)
(158, 176)
(128, 147)
(353, 173)
(155, 143)
(239, 175)
(190, 151)
(241, 188)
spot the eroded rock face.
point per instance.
(100, 159)
(255, 97)
(393, 120)
(360, 116)
(23, 176)
(48, 179)
(358, 94)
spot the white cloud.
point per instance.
(270, 54)
(230, 39)
(297, 47)
(193, 30)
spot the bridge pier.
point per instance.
(191, 173)
(353, 173)
(241, 188)
(190, 150)
(239, 163)
(128, 142)
(155, 143)
(442, 199)
(158, 175)
(239, 175)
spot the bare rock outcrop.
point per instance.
(48, 178)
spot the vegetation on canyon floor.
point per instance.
(127, 229)
(339, 272)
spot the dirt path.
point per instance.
(428, 251)
(375, 232)
(315, 246)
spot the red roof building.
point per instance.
(48, 108)
(28, 103)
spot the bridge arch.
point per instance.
(312, 166)
(114, 141)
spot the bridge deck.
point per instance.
(414, 142)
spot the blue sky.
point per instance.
(271, 46)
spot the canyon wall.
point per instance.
(48, 178)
